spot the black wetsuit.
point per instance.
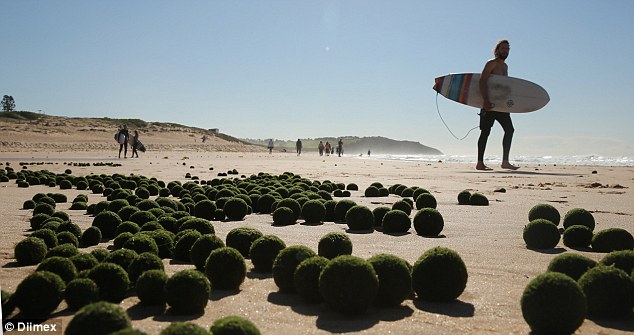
(487, 119)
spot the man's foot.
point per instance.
(509, 166)
(482, 167)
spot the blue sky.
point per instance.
(304, 69)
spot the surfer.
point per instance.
(124, 131)
(488, 117)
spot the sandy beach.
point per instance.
(489, 239)
(405, 93)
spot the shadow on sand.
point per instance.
(141, 311)
(335, 322)
(456, 308)
(13, 264)
(169, 316)
(528, 173)
(553, 251)
(624, 324)
(259, 275)
(221, 294)
(360, 231)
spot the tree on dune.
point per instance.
(8, 104)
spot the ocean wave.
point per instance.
(585, 160)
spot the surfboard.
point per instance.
(140, 146)
(507, 94)
(119, 137)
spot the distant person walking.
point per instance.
(327, 148)
(122, 138)
(496, 66)
(270, 146)
(340, 147)
(298, 147)
(135, 144)
(321, 148)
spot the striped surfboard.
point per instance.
(507, 94)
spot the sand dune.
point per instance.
(84, 134)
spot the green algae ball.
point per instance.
(285, 265)
(349, 284)
(99, 318)
(572, 265)
(579, 216)
(234, 325)
(553, 303)
(439, 275)
(544, 211)
(609, 292)
(541, 234)
(395, 279)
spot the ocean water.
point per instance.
(580, 160)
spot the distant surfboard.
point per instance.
(507, 94)
(140, 146)
(119, 137)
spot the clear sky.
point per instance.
(305, 69)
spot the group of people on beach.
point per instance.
(329, 150)
(123, 137)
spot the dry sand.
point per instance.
(489, 239)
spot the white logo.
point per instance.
(29, 327)
(9, 326)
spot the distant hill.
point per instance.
(356, 145)
(34, 130)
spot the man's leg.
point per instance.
(486, 122)
(507, 124)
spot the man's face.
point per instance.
(503, 50)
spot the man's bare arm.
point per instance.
(484, 79)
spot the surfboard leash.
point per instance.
(446, 126)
